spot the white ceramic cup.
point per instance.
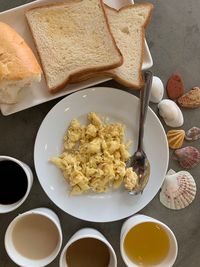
(88, 233)
(24, 261)
(137, 219)
(29, 176)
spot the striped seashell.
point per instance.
(178, 190)
(175, 138)
(193, 134)
(188, 157)
(191, 99)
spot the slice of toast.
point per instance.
(73, 38)
(128, 26)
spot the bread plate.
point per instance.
(115, 204)
(39, 93)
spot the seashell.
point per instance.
(188, 157)
(175, 138)
(191, 99)
(175, 87)
(171, 113)
(170, 172)
(157, 90)
(178, 190)
(193, 134)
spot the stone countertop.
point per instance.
(174, 40)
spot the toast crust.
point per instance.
(111, 74)
(144, 26)
(85, 71)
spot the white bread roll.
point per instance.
(18, 66)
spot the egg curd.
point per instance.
(94, 157)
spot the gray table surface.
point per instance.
(174, 40)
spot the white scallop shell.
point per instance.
(178, 190)
(171, 113)
(157, 90)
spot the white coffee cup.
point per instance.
(29, 176)
(20, 259)
(133, 221)
(88, 233)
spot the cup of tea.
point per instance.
(146, 241)
(15, 183)
(88, 248)
(34, 238)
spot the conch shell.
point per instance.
(193, 134)
(191, 99)
(178, 190)
(171, 113)
(188, 157)
(175, 138)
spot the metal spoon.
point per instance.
(139, 160)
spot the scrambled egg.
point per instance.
(94, 157)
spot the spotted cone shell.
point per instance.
(188, 157)
(193, 134)
(175, 138)
(191, 99)
(178, 190)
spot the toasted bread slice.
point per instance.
(128, 28)
(72, 38)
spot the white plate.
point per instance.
(39, 93)
(121, 107)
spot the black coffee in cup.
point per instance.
(13, 182)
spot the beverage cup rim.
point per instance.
(75, 238)
(29, 176)
(32, 262)
(169, 232)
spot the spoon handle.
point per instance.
(144, 103)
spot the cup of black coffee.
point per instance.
(16, 180)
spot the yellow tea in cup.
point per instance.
(147, 244)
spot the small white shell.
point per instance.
(157, 90)
(178, 190)
(171, 113)
(170, 172)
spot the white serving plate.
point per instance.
(39, 93)
(118, 106)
